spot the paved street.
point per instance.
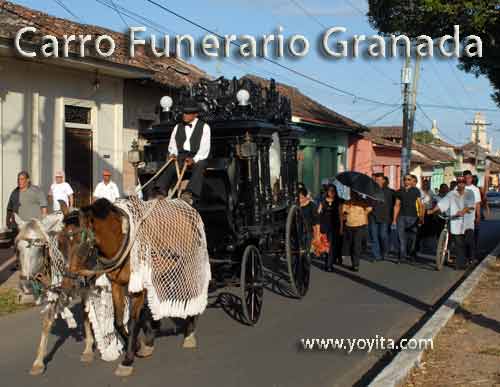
(383, 298)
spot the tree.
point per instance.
(423, 137)
(437, 17)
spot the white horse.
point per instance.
(36, 245)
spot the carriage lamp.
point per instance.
(134, 155)
(166, 103)
(243, 96)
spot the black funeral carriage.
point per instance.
(249, 198)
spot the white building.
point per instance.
(76, 114)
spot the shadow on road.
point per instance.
(384, 289)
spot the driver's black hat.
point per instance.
(191, 106)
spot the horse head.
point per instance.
(32, 245)
(97, 227)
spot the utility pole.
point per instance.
(405, 153)
(409, 109)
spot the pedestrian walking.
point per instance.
(329, 217)
(427, 231)
(60, 190)
(380, 220)
(27, 201)
(355, 214)
(458, 204)
(107, 188)
(406, 217)
(309, 214)
(474, 216)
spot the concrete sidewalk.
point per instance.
(467, 350)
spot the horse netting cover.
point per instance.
(169, 256)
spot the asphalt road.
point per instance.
(382, 299)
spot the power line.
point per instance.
(382, 116)
(308, 77)
(321, 24)
(119, 14)
(296, 72)
(69, 11)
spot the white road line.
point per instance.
(7, 263)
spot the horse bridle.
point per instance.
(38, 242)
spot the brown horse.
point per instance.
(105, 222)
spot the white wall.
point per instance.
(32, 99)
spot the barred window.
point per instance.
(77, 114)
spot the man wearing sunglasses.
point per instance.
(458, 204)
(406, 218)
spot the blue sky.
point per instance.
(441, 82)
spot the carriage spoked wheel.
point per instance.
(252, 284)
(297, 257)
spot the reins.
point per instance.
(124, 254)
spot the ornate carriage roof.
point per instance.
(219, 101)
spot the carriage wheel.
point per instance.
(297, 257)
(252, 284)
(442, 249)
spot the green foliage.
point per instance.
(423, 137)
(437, 17)
(8, 302)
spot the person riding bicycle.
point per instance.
(456, 204)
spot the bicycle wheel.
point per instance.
(442, 248)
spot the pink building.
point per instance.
(371, 154)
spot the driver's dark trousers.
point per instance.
(463, 246)
(168, 178)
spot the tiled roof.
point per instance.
(433, 153)
(14, 17)
(416, 159)
(382, 141)
(387, 131)
(311, 111)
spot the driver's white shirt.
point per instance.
(452, 203)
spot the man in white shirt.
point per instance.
(474, 216)
(190, 144)
(60, 190)
(106, 189)
(458, 204)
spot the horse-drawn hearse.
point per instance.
(249, 200)
(135, 261)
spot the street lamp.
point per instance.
(134, 154)
(243, 96)
(134, 158)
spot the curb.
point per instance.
(399, 368)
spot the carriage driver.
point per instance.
(190, 144)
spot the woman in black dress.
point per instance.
(329, 219)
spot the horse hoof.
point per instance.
(145, 351)
(190, 342)
(87, 357)
(124, 371)
(37, 370)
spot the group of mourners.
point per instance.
(29, 201)
(400, 225)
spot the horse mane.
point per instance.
(73, 218)
(101, 209)
(32, 225)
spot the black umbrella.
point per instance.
(362, 184)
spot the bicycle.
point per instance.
(442, 250)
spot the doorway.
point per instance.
(78, 164)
